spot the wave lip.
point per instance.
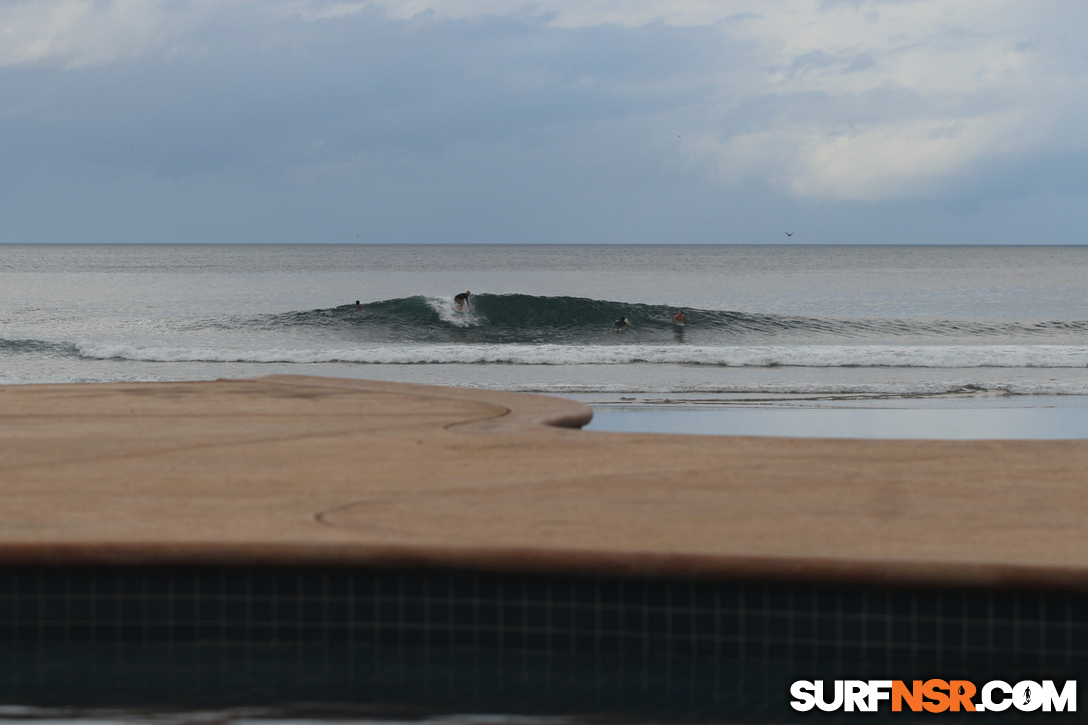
(820, 356)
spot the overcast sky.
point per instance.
(557, 121)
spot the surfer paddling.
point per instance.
(461, 300)
(680, 318)
(620, 325)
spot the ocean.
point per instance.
(885, 341)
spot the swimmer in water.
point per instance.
(462, 300)
(358, 305)
(620, 325)
(680, 318)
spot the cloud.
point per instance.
(80, 33)
(972, 71)
(868, 162)
(448, 106)
(877, 101)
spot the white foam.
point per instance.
(448, 312)
(820, 356)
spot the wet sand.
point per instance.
(297, 470)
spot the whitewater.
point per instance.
(1044, 356)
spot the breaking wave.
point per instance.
(515, 318)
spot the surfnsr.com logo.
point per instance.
(934, 696)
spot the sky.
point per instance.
(554, 121)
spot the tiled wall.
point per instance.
(468, 641)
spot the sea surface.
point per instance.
(886, 341)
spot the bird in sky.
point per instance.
(789, 234)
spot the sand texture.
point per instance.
(291, 469)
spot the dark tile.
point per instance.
(927, 604)
(1030, 636)
(803, 627)
(339, 583)
(388, 611)
(827, 629)
(363, 584)
(512, 590)
(562, 617)
(657, 595)
(925, 633)
(680, 596)
(585, 592)
(127, 583)
(1004, 608)
(159, 633)
(704, 596)
(132, 610)
(536, 590)
(80, 583)
(234, 610)
(876, 630)
(488, 588)
(729, 596)
(978, 606)
(681, 624)
(261, 610)
(951, 634)
(902, 604)
(52, 610)
(287, 609)
(609, 620)
(852, 601)
(1056, 638)
(513, 613)
(415, 586)
(487, 615)
(878, 602)
(1078, 609)
(754, 625)
(978, 636)
(207, 582)
(953, 606)
(262, 582)
(902, 632)
(313, 584)
(585, 619)
(1031, 609)
(230, 584)
(754, 599)
(387, 585)
(185, 609)
(439, 613)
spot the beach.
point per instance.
(320, 470)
